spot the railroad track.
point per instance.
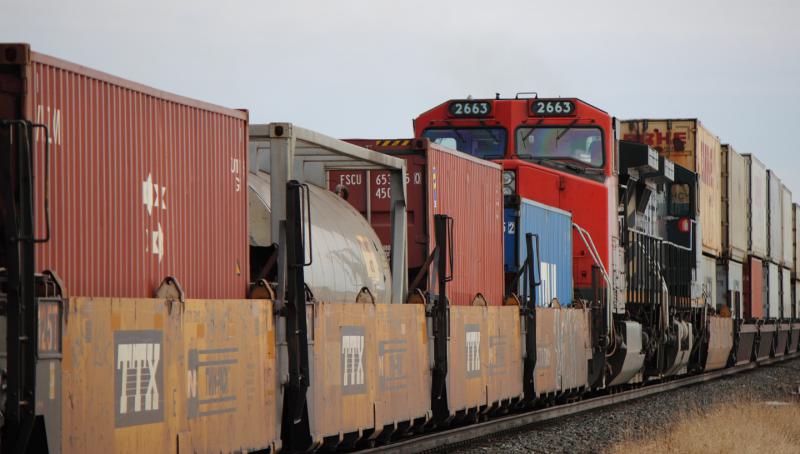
(449, 438)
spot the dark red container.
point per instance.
(143, 184)
(753, 288)
(439, 181)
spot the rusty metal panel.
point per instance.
(369, 365)
(720, 342)
(547, 379)
(735, 206)
(142, 185)
(146, 373)
(688, 143)
(574, 348)
(504, 364)
(466, 354)
(478, 347)
(471, 192)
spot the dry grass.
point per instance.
(745, 427)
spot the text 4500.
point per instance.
(384, 192)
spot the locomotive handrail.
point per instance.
(586, 237)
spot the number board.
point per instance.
(551, 108)
(470, 108)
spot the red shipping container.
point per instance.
(143, 184)
(753, 288)
(439, 181)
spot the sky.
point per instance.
(366, 68)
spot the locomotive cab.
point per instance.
(559, 158)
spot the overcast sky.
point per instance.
(366, 68)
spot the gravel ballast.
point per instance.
(599, 430)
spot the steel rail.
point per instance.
(443, 439)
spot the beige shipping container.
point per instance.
(787, 223)
(758, 200)
(774, 218)
(735, 206)
(688, 143)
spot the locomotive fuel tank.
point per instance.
(346, 254)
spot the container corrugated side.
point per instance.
(758, 202)
(471, 192)
(554, 229)
(787, 227)
(735, 204)
(786, 293)
(688, 143)
(142, 185)
(774, 290)
(775, 218)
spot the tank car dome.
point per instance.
(347, 254)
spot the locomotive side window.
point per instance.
(484, 143)
(579, 144)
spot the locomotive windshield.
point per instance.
(484, 143)
(582, 145)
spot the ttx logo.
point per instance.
(138, 377)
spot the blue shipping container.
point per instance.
(554, 229)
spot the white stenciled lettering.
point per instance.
(52, 119)
(153, 194)
(353, 354)
(157, 240)
(473, 342)
(141, 360)
(549, 288)
(235, 170)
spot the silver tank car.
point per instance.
(347, 254)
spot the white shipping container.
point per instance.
(735, 207)
(757, 213)
(774, 291)
(775, 216)
(787, 227)
(786, 283)
(708, 269)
